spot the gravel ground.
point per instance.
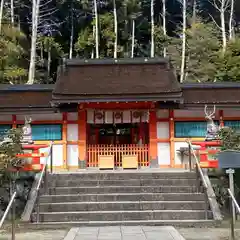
(207, 233)
(37, 235)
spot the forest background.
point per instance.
(201, 37)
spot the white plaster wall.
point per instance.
(163, 130)
(177, 157)
(72, 132)
(126, 116)
(163, 113)
(163, 153)
(57, 155)
(5, 117)
(43, 159)
(72, 155)
(39, 117)
(72, 116)
(90, 116)
(109, 117)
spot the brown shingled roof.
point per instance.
(109, 78)
(25, 97)
(211, 93)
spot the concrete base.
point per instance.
(124, 232)
(153, 163)
(82, 164)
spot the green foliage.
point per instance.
(85, 42)
(203, 46)
(230, 139)
(11, 55)
(9, 148)
(228, 65)
(161, 40)
(50, 45)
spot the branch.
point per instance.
(47, 10)
(215, 22)
(47, 14)
(214, 4)
(44, 4)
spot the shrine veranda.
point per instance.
(130, 109)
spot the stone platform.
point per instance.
(124, 233)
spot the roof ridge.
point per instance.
(112, 61)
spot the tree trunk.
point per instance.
(115, 29)
(92, 53)
(1, 13)
(164, 25)
(222, 17)
(152, 28)
(49, 64)
(126, 35)
(41, 52)
(194, 12)
(32, 65)
(12, 13)
(133, 38)
(231, 27)
(96, 29)
(183, 60)
(71, 36)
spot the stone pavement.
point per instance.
(124, 233)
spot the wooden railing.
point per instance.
(94, 151)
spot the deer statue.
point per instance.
(27, 131)
(212, 128)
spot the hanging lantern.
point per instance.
(137, 114)
(118, 115)
(99, 115)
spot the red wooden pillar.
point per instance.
(82, 138)
(64, 138)
(153, 155)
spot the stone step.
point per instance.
(66, 225)
(122, 215)
(129, 182)
(122, 189)
(122, 197)
(122, 175)
(120, 206)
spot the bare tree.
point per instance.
(133, 38)
(1, 13)
(194, 12)
(35, 21)
(152, 28)
(164, 24)
(96, 29)
(41, 18)
(71, 36)
(184, 28)
(12, 12)
(115, 29)
(221, 6)
(231, 27)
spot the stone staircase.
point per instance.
(123, 198)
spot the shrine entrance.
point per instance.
(118, 140)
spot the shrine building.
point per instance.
(126, 113)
